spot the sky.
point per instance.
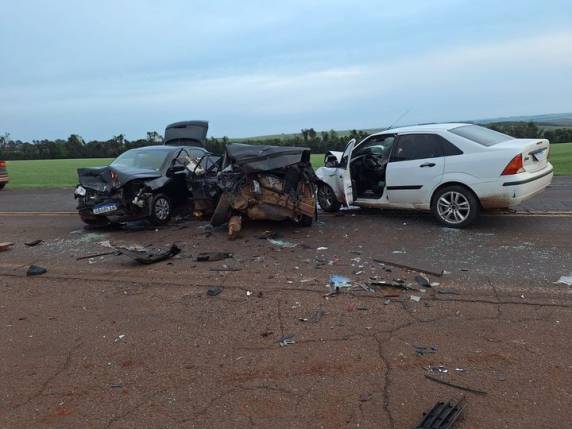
(256, 67)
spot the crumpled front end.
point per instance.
(103, 193)
(266, 197)
(268, 183)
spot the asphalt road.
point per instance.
(105, 342)
(556, 198)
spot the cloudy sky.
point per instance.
(252, 67)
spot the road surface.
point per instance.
(104, 342)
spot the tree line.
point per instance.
(319, 142)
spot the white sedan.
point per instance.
(454, 170)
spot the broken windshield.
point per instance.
(142, 159)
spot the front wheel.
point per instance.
(161, 210)
(327, 199)
(455, 206)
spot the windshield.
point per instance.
(142, 159)
(481, 135)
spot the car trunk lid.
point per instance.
(534, 152)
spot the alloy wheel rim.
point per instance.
(162, 209)
(453, 207)
(326, 197)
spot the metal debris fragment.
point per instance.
(443, 415)
(5, 246)
(282, 244)
(408, 267)
(147, 257)
(35, 270)
(456, 386)
(423, 350)
(565, 280)
(286, 340)
(214, 291)
(212, 256)
(33, 243)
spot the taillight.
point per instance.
(515, 166)
(2, 164)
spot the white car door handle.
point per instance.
(428, 164)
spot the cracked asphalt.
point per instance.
(107, 343)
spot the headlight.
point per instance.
(80, 191)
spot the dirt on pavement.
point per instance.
(105, 342)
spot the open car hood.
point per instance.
(259, 158)
(100, 178)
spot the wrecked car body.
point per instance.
(144, 183)
(265, 183)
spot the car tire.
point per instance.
(305, 221)
(222, 210)
(2, 186)
(327, 199)
(161, 210)
(455, 206)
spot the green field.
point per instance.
(60, 173)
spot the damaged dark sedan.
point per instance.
(144, 183)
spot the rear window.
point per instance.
(481, 135)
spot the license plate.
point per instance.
(104, 208)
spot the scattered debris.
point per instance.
(35, 270)
(226, 269)
(441, 369)
(399, 252)
(234, 227)
(120, 338)
(456, 386)
(422, 281)
(214, 291)
(319, 249)
(116, 386)
(445, 291)
(443, 415)
(268, 234)
(5, 246)
(408, 267)
(364, 397)
(146, 257)
(33, 243)
(338, 282)
(212, 256)
(565, 280)
(283, 244)
(415, 298)
(286, 340)
(248, 293)
(423, 350)
(97, 255)
(386, 301)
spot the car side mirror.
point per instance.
(175, 170)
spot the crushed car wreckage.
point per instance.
(259, 182)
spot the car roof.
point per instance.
(425, 127)
(169, 148)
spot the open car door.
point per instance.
(346, 172)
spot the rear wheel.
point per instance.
(327, 199)
(161, 210)
(2, 185)
(455, 206)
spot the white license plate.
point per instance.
(104, 208)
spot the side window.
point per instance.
(183, 159)
(417, 146)
(449, 149)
